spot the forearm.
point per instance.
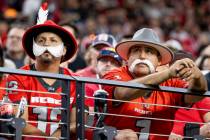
(199, 84)
(123, 93)
(73, 128)
(31, 130)
(56, 134)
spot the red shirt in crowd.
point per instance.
(87, 72)
(191, 115)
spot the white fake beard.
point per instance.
(139, 61)
(56, 51)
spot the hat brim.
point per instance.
(67, 38)
(95, 45)
(166, 54)
(109, 56)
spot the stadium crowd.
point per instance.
(154, 42)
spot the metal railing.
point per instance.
(80, 95)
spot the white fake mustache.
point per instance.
(139, 61)
(56, 51)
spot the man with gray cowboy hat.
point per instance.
(143, 53)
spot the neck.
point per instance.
(52, 68)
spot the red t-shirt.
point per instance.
(140, 110)
(2, 85)
(87, 72)
(191, 115)
(36, 84)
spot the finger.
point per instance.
(191, 63)
(182, 72)
(185, 63)
(186, 75)
(189, 78)
(180, 68)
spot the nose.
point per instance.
(47, 42)
(142, 54)
(108, 63)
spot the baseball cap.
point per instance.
(174, 45)
(106, 39)
(109, 52)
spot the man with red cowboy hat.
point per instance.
(49, 45)
(143, 54)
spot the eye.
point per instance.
(148, 50)
(40, 41)
(135, 49)
(54, 40)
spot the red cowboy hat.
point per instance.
(49, 26)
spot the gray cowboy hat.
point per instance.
(145, 37)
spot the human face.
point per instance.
(48, 39)
(14, 40)
(142, 53)
(95, 52)
(206, 64)
(106, 64)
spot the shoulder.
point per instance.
(26, 67)
(121, 74)
(69, 72)
(204, 103)
(19, 78)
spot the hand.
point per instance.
(126, 134)
(174, 136)
(205, 130)
(185, 69)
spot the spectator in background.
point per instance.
(101, 41)
(174, 46)
(204, 62)
(14, 49)
(77, 61)
(192, 115)
(107, 60)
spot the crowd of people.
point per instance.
(146, 42)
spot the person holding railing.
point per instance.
(49, 45)
(140, 111)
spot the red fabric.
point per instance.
(40, 99)
(89, 90)
(131, 109)
(190, 115)
(87, 72)
(45, 6)
(2, 85)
